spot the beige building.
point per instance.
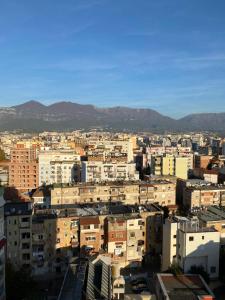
(204, 195)
(18, 223)
(159, 191)
(125, 239)
(87, 193)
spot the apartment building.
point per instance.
(112, 147)
(126, 192)
(18, 220)
(58, 166)
(205, 195)
(2, 249)
(169, 245)
(98, 171)
(172, 165)
(91, 235)
(162, 192)
(23, 168)
(176, 165)
(125, 239)
(55, 238)
(198, 246)
(46, 239)
(188, 244)
(213, 216)
(202, 161)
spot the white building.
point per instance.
(58, 166)
(198, 247)
(188, 244)
(169, 247)
(2, 254)
(97, 171)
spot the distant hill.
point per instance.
(34, 116)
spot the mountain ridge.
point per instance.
(67, 115)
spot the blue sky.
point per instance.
(167, 55)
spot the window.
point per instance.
(203, 237)
(25, 219)
(86, 227)
(132, 234)
(96, 226)
(25, 235)
(213, 269)
(175, 236)
(90, 238)
(191, 238)
(174, 245)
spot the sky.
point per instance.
(167, 55)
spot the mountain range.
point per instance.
(65, 116)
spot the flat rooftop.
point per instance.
(97, 209)
(212, 214)
(207, 187)
(185, 287)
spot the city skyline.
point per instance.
(165, 56)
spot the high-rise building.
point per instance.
(23, 168)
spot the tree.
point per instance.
(174, 269)
(19, 283)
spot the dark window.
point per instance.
(191, 238)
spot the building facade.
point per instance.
(23, 168)
(58, 166)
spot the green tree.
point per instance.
(19, 284)
(174, 269)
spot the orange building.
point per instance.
(23, 168)
(202, 161)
